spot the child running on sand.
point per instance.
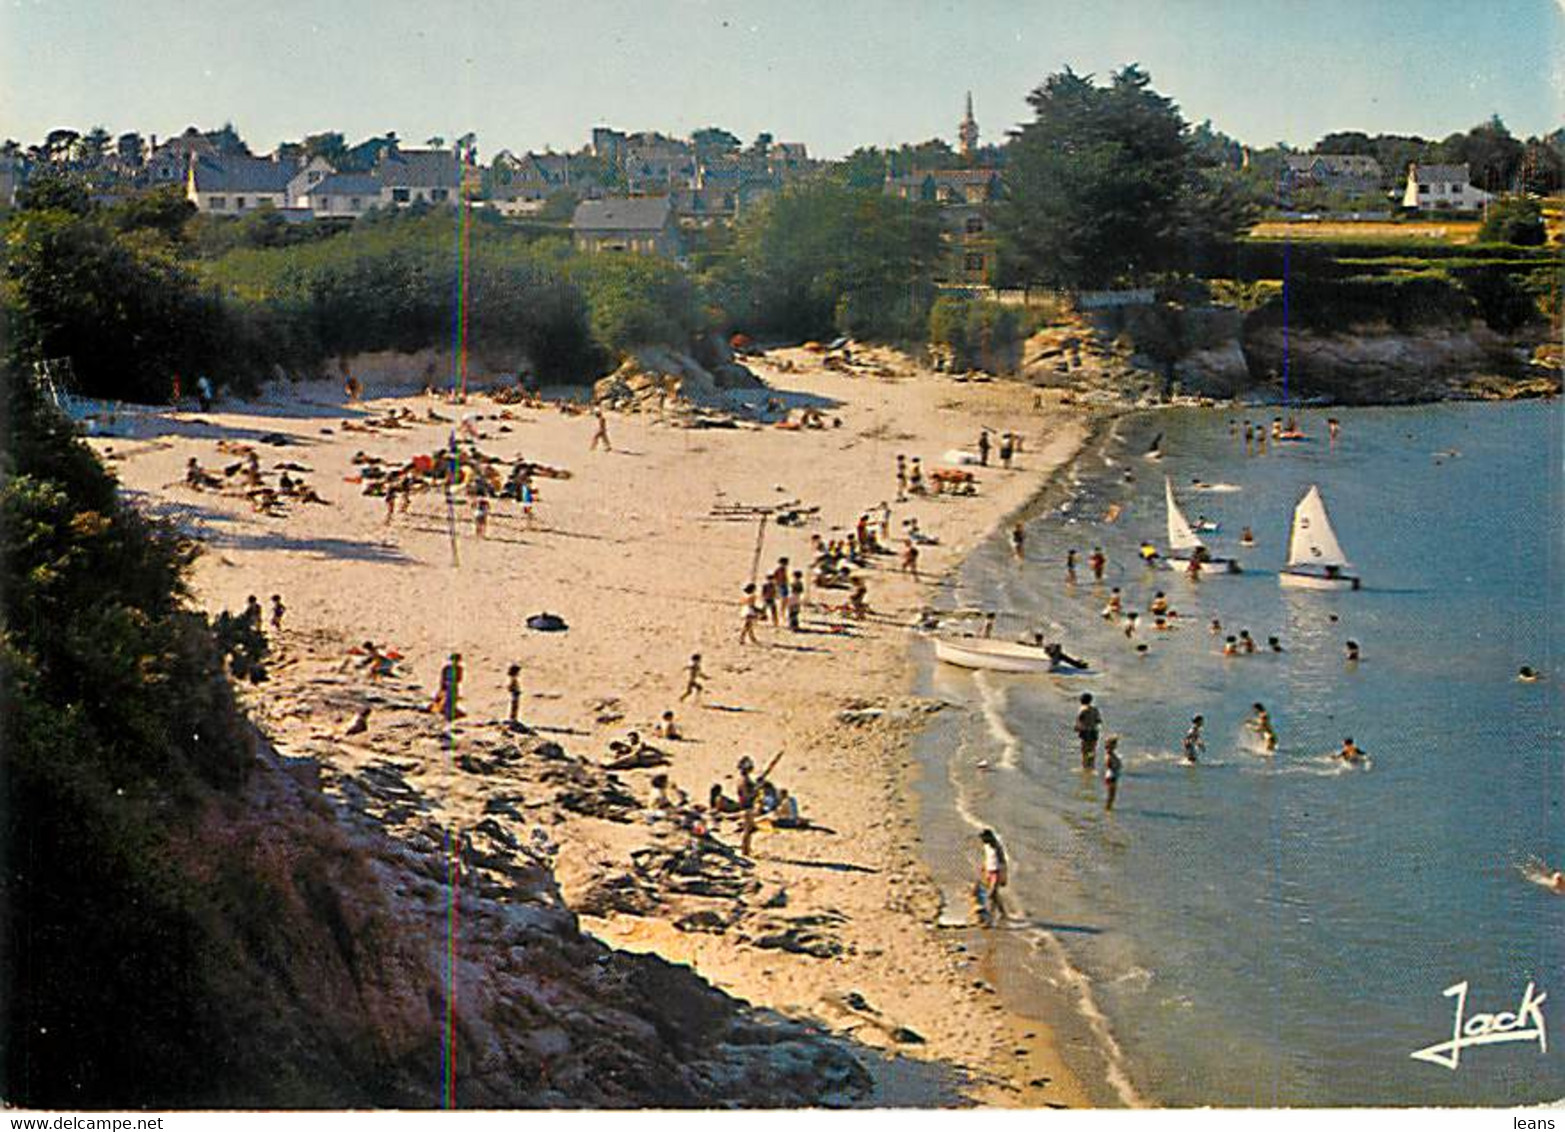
(693, 678)
(601, 434)
(481, 518)
(752, 614)
(278, 609)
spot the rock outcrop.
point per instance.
(443, 949)
(1139, 353)
(656, 377)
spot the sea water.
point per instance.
(1281, 929)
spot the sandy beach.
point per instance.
(643, 551)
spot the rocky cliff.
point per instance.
(1218, 352)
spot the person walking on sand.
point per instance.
(752, 614)
(769, 600)
(481, 518)
(1070, 567)
(447, 694)
(1019, 541)
(794, 602)
(1097, 563)
(601, 433)
(983, 448)
(1089, 721)
(996, 874)
(910, 559)
(513, 688)
(1007, 446)
(901, 478)
(1111, 769)
(693, 678)
(278, 609)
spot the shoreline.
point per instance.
(1061, 993)
(625, 553)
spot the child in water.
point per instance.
(1261, 724)
(1195, 746)
(1111, 769)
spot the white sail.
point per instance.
(1314, 543)
(1180, 534)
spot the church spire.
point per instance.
(967, 133)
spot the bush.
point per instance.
(1514, 220)
(976, 334)
(1404, 303)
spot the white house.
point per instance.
(343, 195)
(409, 175)
(307, 176)
(233, 185)
(1446, 188)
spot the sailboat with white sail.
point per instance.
(1315, 557)
(1183, 542)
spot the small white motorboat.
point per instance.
(993, 655)
(1315, 558)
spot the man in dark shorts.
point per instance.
(1089, 721)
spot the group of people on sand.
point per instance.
(1010, 443)
(246, 476)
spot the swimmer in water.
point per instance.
(1350, 752)
(1352, 652)
(1261, 724)
(1527, 674)
(1217, 627)
(1246, 537)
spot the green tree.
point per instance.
(1514, 220)
(714, 141)
(54, 192)
(1094, 181)
(59, 145)
(864, 168)
(1106, 184)
(94, 147)
(329, 146)
(822, 256)
(122, 310)
(227, 141)
(1492, 155)
(164, 210)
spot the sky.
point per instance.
(834, 74)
